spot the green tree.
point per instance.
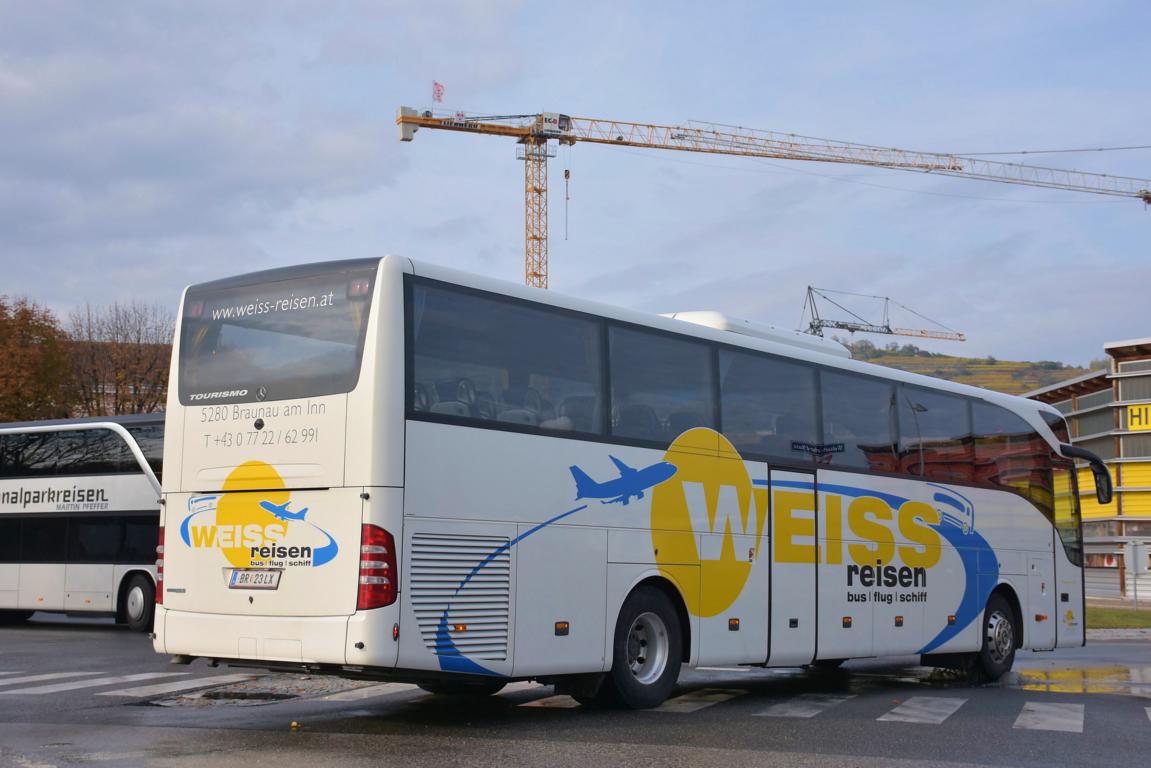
(35, 364)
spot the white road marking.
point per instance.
(47, 676)
(1051, 717)
(1149, 713)
(520, 687)
(369, 692)
(697, 700)
(553, 702)
(805, 705)
(178, 685)
(10, 673)
(924, 709)
(91, 683)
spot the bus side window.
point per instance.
(43, 540)
(858, 422)
(935, 438)
(495, 360)
(660, 386)
(768, 405)
(29, 454)
(9, 539)
(1010, 454)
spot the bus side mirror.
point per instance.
(1103, 490)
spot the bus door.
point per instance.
(794, 555)
(1041, 617)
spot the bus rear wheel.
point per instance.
(477, 688)
(139, 603)
(14, 617)
(647, 651)
(1000, 632)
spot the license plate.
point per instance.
(254, 578)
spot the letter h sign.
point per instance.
(1139, 418)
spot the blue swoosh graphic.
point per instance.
(187, 520)
(971, 548)
(451, 660)
(326, 553)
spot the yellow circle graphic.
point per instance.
(710, 477)
(246, 523)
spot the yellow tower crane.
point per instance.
(536, 133)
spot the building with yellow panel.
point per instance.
(1109, 413)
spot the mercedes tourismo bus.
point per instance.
(389, 469)
(79, 517)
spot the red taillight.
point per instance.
(377, 568)
(160, 567)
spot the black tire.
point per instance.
(646, 653)
(14, 617)
(477, 688)
(139, 603)
(1000, 637)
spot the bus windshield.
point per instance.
(279, 340)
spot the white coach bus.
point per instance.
(79, 516)
(388, 469)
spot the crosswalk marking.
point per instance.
(176, 686)
(90, 683)
(369, 692)
(553, 702)
(805, 705)
(42, 677)
(697, 700)
(1051, 717)
(924, 709)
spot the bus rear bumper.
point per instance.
(303, 640)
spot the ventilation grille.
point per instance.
(475, 614)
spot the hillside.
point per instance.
(1012, 377)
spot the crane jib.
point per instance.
(543, 127)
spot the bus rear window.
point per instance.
(302, 337)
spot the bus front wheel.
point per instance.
(139, 603)
(1000, 634)
(647, 651)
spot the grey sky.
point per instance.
(146, 145)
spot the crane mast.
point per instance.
(536, 132)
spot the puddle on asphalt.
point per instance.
(1115, 678)
(1126, 680)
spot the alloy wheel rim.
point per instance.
(1000, 637)
(647, 648)
(135, 603)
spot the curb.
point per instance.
(1119, 634)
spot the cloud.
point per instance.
(131, 131)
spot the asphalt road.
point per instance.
(90, 693)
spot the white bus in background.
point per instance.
(388, 469)
(79, 514)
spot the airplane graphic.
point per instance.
(281, 510)
(631, 482)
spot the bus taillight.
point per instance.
(377, 568)
(160, 567)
